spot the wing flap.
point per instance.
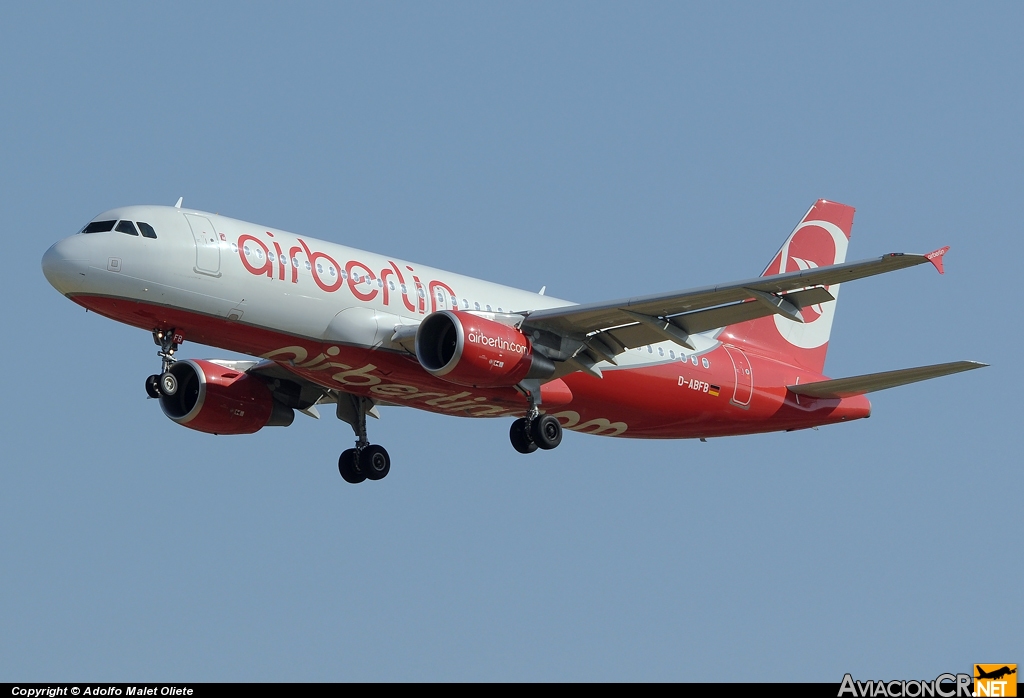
(638, 335)
(871, 382)
(713, 318)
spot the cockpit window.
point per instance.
(99, 227)
(147, 230)
(126, 227)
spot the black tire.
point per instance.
(153, 386)
(374, 462)
(519, 435)
(348, 469)
(168, 384)
(546, 432)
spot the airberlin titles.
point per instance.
(364, 380)
(328, 274)
(478, 337)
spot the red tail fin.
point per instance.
(819, 240)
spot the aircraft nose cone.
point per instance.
(64, 265)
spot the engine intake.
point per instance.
(469, 350)
(219, 400)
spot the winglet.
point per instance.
(936, 257)
(180, 199)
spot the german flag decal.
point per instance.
(713, 390)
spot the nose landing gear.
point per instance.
(366, 461)
(164, 384)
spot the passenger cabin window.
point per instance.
(127, 227)
(99, 227)
(147, 230)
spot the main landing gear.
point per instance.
(366, 461)
(535, 431)
(164, 384)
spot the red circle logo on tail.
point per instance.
(813, 244)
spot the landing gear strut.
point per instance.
(366, 461)
(164, 384)
(535, 430)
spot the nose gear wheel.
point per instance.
(164, 384)
(168, 384)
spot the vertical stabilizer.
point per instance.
(820, 240)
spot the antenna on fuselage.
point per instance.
(180, 199)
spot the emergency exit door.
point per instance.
(744, 389)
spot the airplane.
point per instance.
(996, 674)
(333, 325)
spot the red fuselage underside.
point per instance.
(673, 399)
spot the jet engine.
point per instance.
(220, 400)
(469, 350)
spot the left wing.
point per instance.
(604, 330)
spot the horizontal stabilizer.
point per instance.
(858, 385)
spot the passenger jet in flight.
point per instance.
(335, 325)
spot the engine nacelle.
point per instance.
(469, 350)
(220, 400)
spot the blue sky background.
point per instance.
(602, 150)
